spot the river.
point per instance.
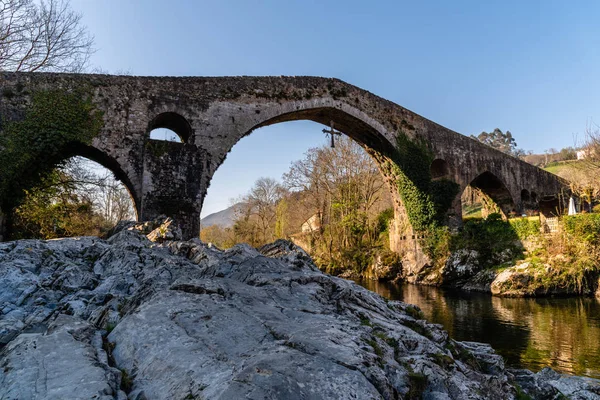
(562, 333)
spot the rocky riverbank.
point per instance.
(515, 259)
(531, 277)
(131, 318)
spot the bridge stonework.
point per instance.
(211, 114)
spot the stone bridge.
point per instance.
(211, 114)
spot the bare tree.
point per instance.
(258, 213)
(591, 147)
(343, 188)
(42, 36)
(585, 176)
(109, 197)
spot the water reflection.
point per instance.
(563, 333)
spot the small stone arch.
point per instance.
(525, 196)
(438, 169)
(174, 122)
(493, 194)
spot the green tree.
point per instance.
(55, 209)
(499, 140)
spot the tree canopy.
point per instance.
(499, 140)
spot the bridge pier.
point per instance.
(187, 220)
(174, 184)
(454, 214)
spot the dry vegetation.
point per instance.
(334, 202)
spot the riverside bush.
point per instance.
(583, 227)
(566, 262)
(526, 228)
(489, 237)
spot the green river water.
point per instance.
(562, 333)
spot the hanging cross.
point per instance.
(332, 132)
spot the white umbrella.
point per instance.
(572, 210)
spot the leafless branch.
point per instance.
(42, 36)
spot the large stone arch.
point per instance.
(354, 123)
(228, 127)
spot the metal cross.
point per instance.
(332, 132)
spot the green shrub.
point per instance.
(488, 237)
(436, 244)
(583, 227)
(383, 220)
(526, 228)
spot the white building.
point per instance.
(312, 224)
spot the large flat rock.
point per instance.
(88, 318)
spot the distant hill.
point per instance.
(541, 160)
(223, 218)
(560, 168)
(577, 171)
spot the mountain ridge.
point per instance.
(224, 218)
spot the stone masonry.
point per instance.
(211, 114)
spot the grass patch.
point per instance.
(417, 384)
(520, 394)
(126, 381)
(365, 321)
(443, 360)
(376, 348)
(414, 312)
(110, 327)
(473, 211)
(417, 328)
(464, 355)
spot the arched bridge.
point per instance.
(211, 114)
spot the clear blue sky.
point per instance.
(531, 67)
